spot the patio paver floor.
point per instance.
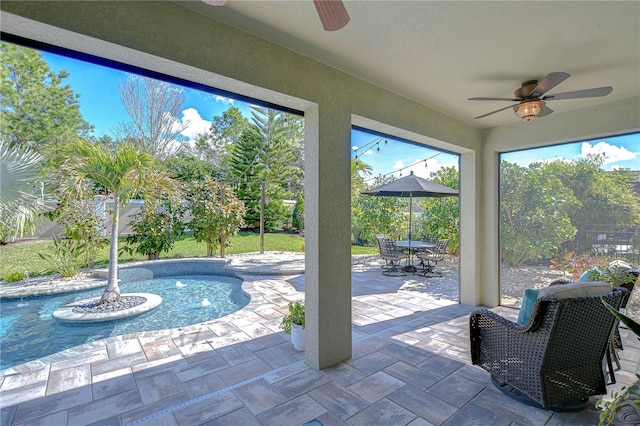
(410, 366)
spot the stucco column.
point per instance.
(327, 231)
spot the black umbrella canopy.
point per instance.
(412, 186)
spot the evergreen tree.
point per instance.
(263, 153)
(36, 110)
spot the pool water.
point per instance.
(28, 330)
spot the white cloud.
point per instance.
(195, 123)
(223, 100)
(612, 153)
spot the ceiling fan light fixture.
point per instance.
(529, 110)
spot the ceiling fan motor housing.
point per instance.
(526, 89)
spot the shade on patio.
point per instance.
(412, 186)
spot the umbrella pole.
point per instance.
(410, 214)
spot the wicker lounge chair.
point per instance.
(554, 361)
(392, 256)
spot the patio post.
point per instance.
(327, 234)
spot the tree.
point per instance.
(441, 216)
(36, 110)
(121, 175)
(263, 154)
(605, 198)
(225, 131)
(371, 215)
(186, 167)
(213, 214)
(19, 185)
(534, 213)
(359, 171)
(155, 108)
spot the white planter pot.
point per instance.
(297, 337)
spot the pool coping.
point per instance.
(251, 285)
(233, 266)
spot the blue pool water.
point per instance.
(28, 330)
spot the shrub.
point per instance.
(81, 223)
(297, 219)
(66, 256)
(154, 232)
(212, 216)
(14, 276)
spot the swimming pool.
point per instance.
(28, 330)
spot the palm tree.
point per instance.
(120, 174)
(19, 206)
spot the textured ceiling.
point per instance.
(441, 53)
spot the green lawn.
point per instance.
(24, 257)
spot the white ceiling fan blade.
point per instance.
(549, 82)
(586, 93)
(332, 13)
(215, 2)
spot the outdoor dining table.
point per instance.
(413, 247)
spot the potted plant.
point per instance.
(293, 323)
(626, 403)
(617, 273)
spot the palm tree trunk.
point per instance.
(112, 292)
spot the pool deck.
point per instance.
(410, 365)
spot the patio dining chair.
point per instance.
(430, 258)
(555, 359)
(391, 255)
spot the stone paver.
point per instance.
(410, 365)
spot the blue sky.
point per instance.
(100, 105)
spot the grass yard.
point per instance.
(24, 256)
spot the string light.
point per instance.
(366, 147)
(399, 171)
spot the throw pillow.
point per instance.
(528, 302)
(578, 289)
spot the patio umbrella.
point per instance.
(412, 186)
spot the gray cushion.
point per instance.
(579, 289)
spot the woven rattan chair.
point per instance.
(555, 360)
(430, 258)
(391, 255)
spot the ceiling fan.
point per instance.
(532, 101)
(332, 13)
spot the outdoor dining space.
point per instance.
(419, 256)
